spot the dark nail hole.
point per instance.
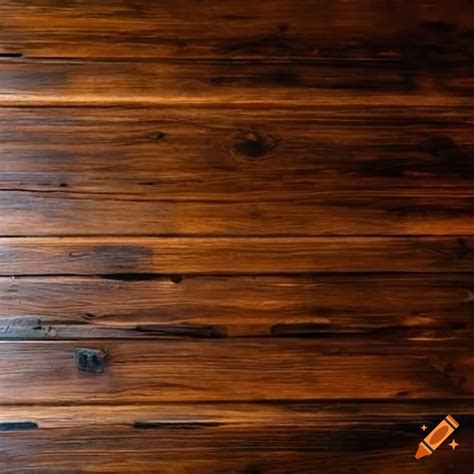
(176, 279)
(63, 185)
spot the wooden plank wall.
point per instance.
(235, 237)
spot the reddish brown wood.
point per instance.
(223, 438)
(425, 32)
(238, 370)
(239, 83)
(239, 255)
(230, 154)
(235, 237)
(437, 305)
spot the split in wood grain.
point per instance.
(231, 437)
(375, 305)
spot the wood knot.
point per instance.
(157, 136)
(251, 144)
(90, 360)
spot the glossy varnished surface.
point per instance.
(235, 237)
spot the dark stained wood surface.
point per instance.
(237, 370)
(235, 237)
(224, 438)
(426, 32)
(230, 154)
(145, 305)
(236, 255)
(352, 213)
(230, 172)
(48, 82)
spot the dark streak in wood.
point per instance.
(131, 276)
(157, 425)
(182, 331)
(11, 55)
(18, 426)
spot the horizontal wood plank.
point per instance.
(224, 438)
(206, 172)
(310, 29)
(437, 306)
(244, 155)
(235, 82)
(115, 255)
(234, 369)
(332, 214)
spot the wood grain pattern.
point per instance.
(375, 305)
(360, 213)
(235, 154)
(428, 31)
(207, 172)
(239, 255)
(237, 370)
(237, 438)
(235, 237)
(240, 83)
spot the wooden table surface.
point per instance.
(236, 237)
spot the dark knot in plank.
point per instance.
(90, 360)
(157, 136)
(252, 144)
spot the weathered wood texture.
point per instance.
(361, 213)
(238, 154)
(306, 172)
(239, 255)
(436, 306)
(233, 82)
(205, 205)
(425, 32)
(235, 369)
(232, 438)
